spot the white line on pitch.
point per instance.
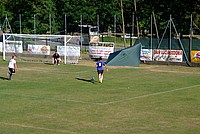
(147, 95)
(101, 103)
(57, 71)
(38, 128)
(53, 71)
(51, 98)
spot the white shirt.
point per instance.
(12, 63)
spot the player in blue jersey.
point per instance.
(100, 69)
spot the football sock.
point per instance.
(10, 77)
(100, 78)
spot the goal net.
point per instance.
(40, 48)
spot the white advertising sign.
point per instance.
(70, 50)
(1, 46)
(11, 48)
(99, 51)
(14, 48)
(146, 55)
(39, 49)
(168, 55)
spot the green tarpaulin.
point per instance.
(126, 57)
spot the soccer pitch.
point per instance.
(150, 99)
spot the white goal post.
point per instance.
(41, 47)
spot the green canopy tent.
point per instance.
(126, 57)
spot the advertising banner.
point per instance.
(195, 56)
(1, 46)
(13, 47)
(146, 55)
(100, 51)
(168, 55)
(94, 38)
(39, 49)
(70, 50)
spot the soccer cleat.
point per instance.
(9, 78)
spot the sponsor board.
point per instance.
(12, 47)
(94, 38)
(195, 56)
(70, 50)
(39, 49)
(1, 46)
(146, 55)
(100, 51)
(168, 55)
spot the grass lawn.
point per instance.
(150, 99)
(119, 42)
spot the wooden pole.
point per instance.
(137, 23)
(151, 33)
(154, 18)
(65, 24)
(191, 33)
(123, 25)
(20, 23)
(170, 33)
(115, 27)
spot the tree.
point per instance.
(89, 9)
(40, 8)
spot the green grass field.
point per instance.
(119, 42)
(150, 99)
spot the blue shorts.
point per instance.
(100, 71)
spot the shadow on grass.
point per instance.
(86, 80)
(3, 78)
(48, 63)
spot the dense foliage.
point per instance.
(50, 15)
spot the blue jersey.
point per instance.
(100, 65)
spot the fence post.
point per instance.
(65, 56)
(4, 47)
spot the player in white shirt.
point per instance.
(12, 66)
